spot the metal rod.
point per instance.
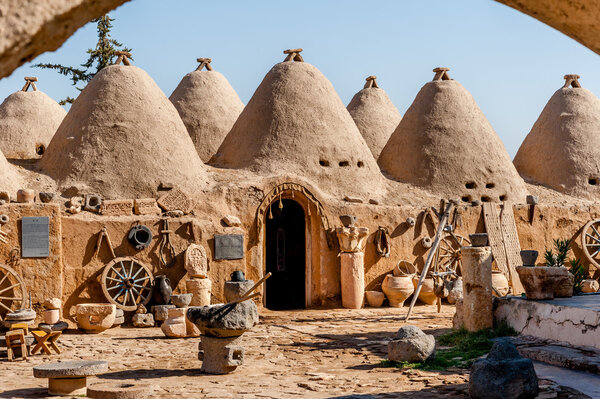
(432, 251)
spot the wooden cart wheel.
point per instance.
(590, 242)
(127, 283)
(448, 253)
(13, 292)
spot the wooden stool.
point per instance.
(20, 326)
(15, 339)
(43, 338)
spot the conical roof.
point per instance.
(208, 106)
(562, 151)
(375, 115)
(296, 124)
(28, 120)
(121, 138)
(10, 179)
(445, 144)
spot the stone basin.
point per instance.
(224, 320)
(96, 317)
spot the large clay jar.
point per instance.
(96, 317)
(162, 290)
(540, 281)
(500, 283)
(564, 287)
(427, 293)
(397, 289)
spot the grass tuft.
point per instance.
(465, 348)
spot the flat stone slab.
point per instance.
(120, 390)
(70, 369)
(573, 320)
(60, 326)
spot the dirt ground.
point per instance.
(309, 353)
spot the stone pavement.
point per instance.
(310, 353)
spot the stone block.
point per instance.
(95, 317)
(92, 203)
(117, 207)
(175, 325)
(143, 320)
(234, 290)
(200, 290)
(411, 345)
(504, 374)
(161, 312)
(25, 195)
(224, 320)
(231, 221)
(46, 197)
(176, 199)
(221, 355)
(146, 206)
(52, 303)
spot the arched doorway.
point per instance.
(285, 255)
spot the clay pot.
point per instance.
(540, 281)
(238, 275)
(51, 316)
(500, 283)
(96, 317)
(529, 257)
(397, 289)
(478, 239)
(162, 290)
(375, 298)
(404, 269)
(427, 293)
(564, 287)
(25, 195)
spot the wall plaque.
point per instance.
(35, 237)
(229, 246)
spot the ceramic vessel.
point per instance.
(374, 298)
(500, 283)
(529, 257)
(397, 289)
(540, 281)
(51, 316)
(238, 275)
(478, 239)
(181, 300)
(427, 293)
(162, 290)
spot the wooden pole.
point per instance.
(259, 282)
(432, 251)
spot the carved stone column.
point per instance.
(352, 272)
(477, 288)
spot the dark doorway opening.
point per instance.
(286, 256)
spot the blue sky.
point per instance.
(510, 63)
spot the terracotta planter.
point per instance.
(500, 283)
(374, 298)
(51, 316)
(564, 287)
(427, 294)
(397, 289)
(540, 281)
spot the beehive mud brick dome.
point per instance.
(445, 144)
(28, 120)
(374, 114)
(121, 138)
(562, 150)
(296, 124)
(208, 106)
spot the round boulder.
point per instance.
(411, 345)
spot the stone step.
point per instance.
(561, 354)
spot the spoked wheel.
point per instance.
(13, 292)
(448, 253)
(590, 242)
(127, 283)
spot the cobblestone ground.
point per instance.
(310, 353)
